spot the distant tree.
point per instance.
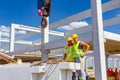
(90, 68)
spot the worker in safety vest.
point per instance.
(68, 56)
(80, 48)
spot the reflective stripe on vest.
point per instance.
(69, 53)
(77, 52)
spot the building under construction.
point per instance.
(103, 46)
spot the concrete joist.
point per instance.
(36, 30)
(61, 43)
(109, 22)
(18, 42)
(112, 21)
(113, 36)
(87, 37)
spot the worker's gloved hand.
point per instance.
(61, 60)
(52, 62)
(85, 51)
(37, 63)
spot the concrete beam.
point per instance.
(36, 30)
(62, 42)
(17, 42)
(109, 22)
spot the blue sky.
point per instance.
(25, 12)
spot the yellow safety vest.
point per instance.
(77, 52)
(69, 53)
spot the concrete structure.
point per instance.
(62, 71)
(102, 42)
(98, 40)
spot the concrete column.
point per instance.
(93, 64)
(107, 61)
(86, 61)
(117, 63)
(112, 63)
(12, 38)
(98, 40)
(0, 39)
(44, 39)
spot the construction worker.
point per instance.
(68, 56)
(80, 48)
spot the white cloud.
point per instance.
(6, 31)
(118, 15)
(74, 25)
(20, 32)
(66, 27)
(6, 34)
(78, 24)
